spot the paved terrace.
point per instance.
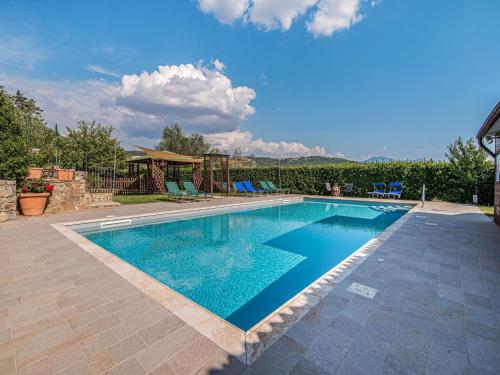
(437, 309)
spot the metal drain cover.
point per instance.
(362, 290)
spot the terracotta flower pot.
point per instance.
(35, 173)
(65, 174)
(33, 204)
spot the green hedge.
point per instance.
(443, 180)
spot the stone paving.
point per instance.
(436, 310)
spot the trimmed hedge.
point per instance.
(442, 180)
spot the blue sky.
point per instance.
(297, 77)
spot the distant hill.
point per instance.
(383, 159)
(378, 159)
(262, 161)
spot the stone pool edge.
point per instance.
(246, 346)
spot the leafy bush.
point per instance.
(443, 180)
(14, 156)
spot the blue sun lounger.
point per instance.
(395, 190)
(249, 187)
(238, 186)
(378, 190)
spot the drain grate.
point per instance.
(362, 290)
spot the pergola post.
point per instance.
(209, 161)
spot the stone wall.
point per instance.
(8, 200)
(68, 196)
(497, 202)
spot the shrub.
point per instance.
(14, 156)
(443, 180)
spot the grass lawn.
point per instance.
(138, 199)
(487, 210)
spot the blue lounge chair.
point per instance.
(249, 187)
(378, 190)
(239, 188)
(395, 190)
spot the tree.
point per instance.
(39, 138)
(91, 144)
(174, 140)
(14, 155)
(466, 156)
(469, 163)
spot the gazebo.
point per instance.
(163, 166)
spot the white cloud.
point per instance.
(325, 16)
(228, 141)
(218, 65)
(334, 15)
(199, 98)
(226, 11)
(195, 95)
(99, 69)
(277, 14)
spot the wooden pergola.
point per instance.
(163, 166)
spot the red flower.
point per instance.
(49, 187)
(24, 189)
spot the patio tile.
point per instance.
(476, 288)
(99, 342)
(105, 323)
(129, 367)
(329, 350)
(8, 365)
(55, 362)
(451, 292)
(126, 348)
(161, 329)
(346, 326)
(305, 367)
(484, 353)
(140, 322)
(360, 362)
(280, 358)
(85, 318)
(482, 315)
(404, 361)
(193, 357)
(5, 335)
(162, 350)
(443, 360)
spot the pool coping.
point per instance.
(248, 345)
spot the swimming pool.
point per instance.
(243, 265)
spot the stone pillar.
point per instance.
(496, 208)
(8, 200)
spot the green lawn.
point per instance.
(487, 210)
(139, 199)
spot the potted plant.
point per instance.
(33, 195)
(65, 174)
(35, 173)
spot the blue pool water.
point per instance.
(243, 265)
